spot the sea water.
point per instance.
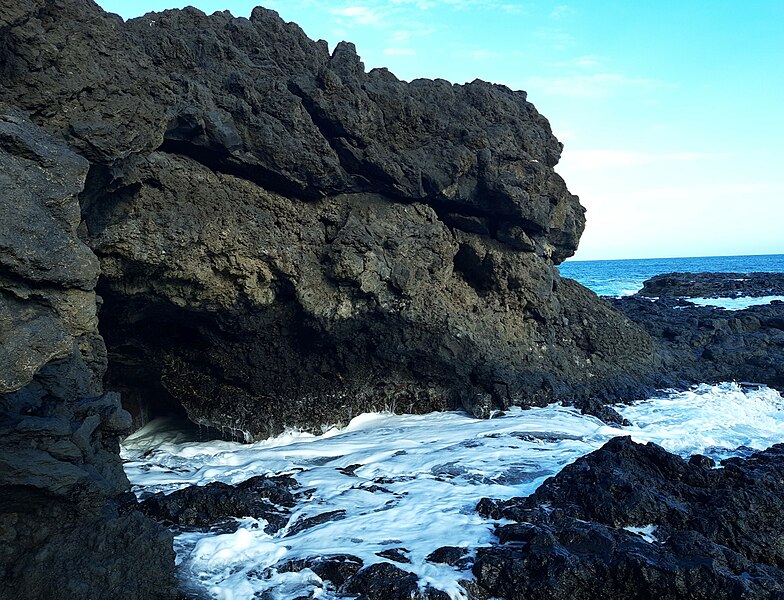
(625, 277)
(414, 481)
(418, 481)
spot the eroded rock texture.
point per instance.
(287, 240)
(709, 344)
(63, 503)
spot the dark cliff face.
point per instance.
(287, 240)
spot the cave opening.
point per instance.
(138, 334)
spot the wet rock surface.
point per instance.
(448, 555)
(334, 569)
(714, 285)
(385, 581)
(708, 344)
(704, 532)
(261, 497)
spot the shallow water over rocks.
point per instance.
(410, 484)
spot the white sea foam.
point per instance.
(738, 303)
(712, 420)
(433, 470)
(647, 532)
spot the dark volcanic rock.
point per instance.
(448, 555)
(284, 240)
(63, 502)
(325, 517)
(717, 531)
(258, 497)
(335, 569)
(385, 581)
(714, 285)
(397, 555)
(707, 344)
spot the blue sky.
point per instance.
(670, 111)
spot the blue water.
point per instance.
(623, 277)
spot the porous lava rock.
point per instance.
(278, 239)
(385, 581)
(712, 533)
(260, 497)
(288, 240)
(68, 528)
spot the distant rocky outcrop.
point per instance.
(706, 343)
(632, 521)
(714, 285)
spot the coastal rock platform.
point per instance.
(708, 343)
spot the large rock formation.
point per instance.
(63, 503)
(284, 240)
(287, 240)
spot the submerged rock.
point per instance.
(632, 521)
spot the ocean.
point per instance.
(432, 469)
(624, 277)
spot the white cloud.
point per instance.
(399, 52)
(692, 193)
(360, 15)
(511, 9)
(595, 85)
(400, 36)
(613, 159)
(478, 54)
(420, 4)
(586, 61)
(561, 11)
(556, 38)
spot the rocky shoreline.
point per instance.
(706, 343)
(220, 218)
(714, 285)
(634, 521)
